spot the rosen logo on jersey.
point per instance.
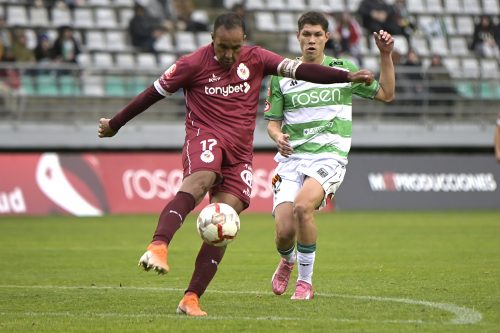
(228, 90)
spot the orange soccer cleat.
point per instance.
(155, 258)
(190, 305)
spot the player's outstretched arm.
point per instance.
(387, 80)
(140, 103)
(321, 74)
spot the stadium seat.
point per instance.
(416, 6)
(255, 4)
(439, 45)
(264, 21)
(93, 86)
(453, 66)
(105, 18)
(472, 7)
(27, 85)
(165, 60)
(228, 4)
(46, 85)
(470, 68)
(103, 60)
(124, 17)
(31, 38)
(353, 5)
(203, 38)
(125, 61)
(453, 6)
(116, 41)
(185, 41)
(434, 7)
(17, 15)
(419, 44)
(296, 5)
(146, 61)
(465, 89)
(123, 3)
(491, 7)
(102, 3)
(69, 86)
(400, 44)
(83, 18)
(39, 17)
(458, 46)
(371, 63)
(95, 40)
(61, 16)
(449, 25)
(115, 86)
(465, 25)
(489, 69)
(293, 44)
(276, 5)
(84, 59)
(336, 6)
(164, 43)
(286, 21)
(322, 3)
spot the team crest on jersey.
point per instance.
(207, 156)
(243, 71)
(267, 106)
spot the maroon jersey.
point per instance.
(220, 101)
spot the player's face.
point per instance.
(312, 40)
(227, 45)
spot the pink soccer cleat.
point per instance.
(281, 276)
(303, 291)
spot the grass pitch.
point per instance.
(374, 272)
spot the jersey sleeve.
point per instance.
(177, 76)
(274, 100)
(270, 60)
(361, 89)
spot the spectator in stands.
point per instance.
(404, 20)
(20, 50)
(413, 79)
(378, 15)
(143, 29)
(185, 19)
(5, 38)
(43, 53)
(483, 39)
(441, 89)
(66, 48)
(497, 139)
(349, 35)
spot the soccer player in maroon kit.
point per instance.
(221, 83)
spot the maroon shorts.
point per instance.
(206, 152)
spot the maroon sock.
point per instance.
(173, 215)
(205, 267)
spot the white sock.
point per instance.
(306, 266)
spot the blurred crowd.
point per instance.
(153, 18)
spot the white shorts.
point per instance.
(291, 174)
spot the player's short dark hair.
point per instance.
(313, 18)
(229, 21)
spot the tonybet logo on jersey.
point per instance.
(228, 90)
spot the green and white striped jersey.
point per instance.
(318, 117)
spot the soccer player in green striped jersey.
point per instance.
(311, 125)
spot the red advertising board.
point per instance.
(93, 184)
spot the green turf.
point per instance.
(375, 272)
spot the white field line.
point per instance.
(463, 315)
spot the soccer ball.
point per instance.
(218, 224)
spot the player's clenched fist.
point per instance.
(104, 129)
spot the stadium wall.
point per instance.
(99, 183)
